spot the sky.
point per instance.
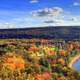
(39, 13)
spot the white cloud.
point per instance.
(7, 25)
(70, 21)
(55, 11)
(51, 21)
(34, 1)
(76, 4)
(55, 16)
(40, 21)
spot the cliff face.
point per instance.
(67, 33)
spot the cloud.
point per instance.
(67, 20)
(26, 22)
(70, 21)
(55, 16)
(76, 4)
(6, 25)
(34, 1)
(55, 11)
(49, 21)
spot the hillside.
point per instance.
(44, 32)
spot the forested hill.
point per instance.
(67, 33)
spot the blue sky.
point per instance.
(39, 13)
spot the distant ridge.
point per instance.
(60, 32)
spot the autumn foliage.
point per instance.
(14, 62)
(25, 59)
